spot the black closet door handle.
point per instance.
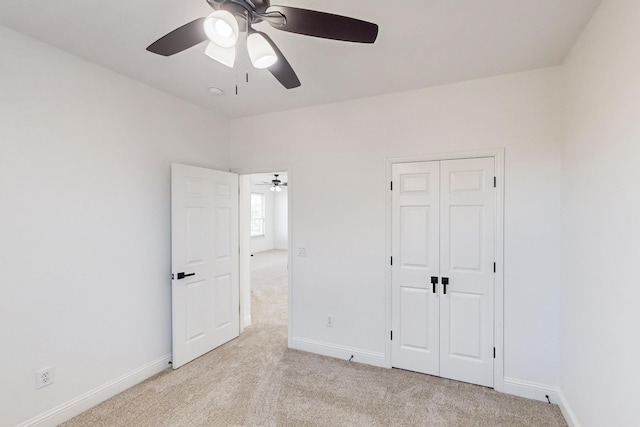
(182, 275)
(434, 282)
(445, 282)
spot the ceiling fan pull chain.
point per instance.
(236, 73)
(246, 17)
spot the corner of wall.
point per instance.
(536, 391)
(567, 412)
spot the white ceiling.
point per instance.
(421, 43)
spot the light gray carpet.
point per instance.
(256, 381)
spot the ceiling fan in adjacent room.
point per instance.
(276, 184)
(231, 17)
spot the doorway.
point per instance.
(264, 248)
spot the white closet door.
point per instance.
(467, 236)
(415, 317)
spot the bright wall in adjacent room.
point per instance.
(281, 220)
(276, 213)
(264, 242)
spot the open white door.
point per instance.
(204, 260)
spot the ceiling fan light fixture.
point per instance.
(226, 56)
(273, 188)
(278, 189)
(261, 52)
(221, 28)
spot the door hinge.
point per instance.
(391, 335)
(494, 267)
(495, 182)
(391, 260)
(391, 187)
(494, 352)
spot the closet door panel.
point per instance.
(467, 255)
(415, 251)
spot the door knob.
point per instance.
(182, 275)
(434, 282)
(445, 282)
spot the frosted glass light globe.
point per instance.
(221, 28)
(261, 52)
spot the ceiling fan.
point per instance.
(276, 184)
(230, 17)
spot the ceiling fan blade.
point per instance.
(282, 70)
(180, 39)
(325, 25)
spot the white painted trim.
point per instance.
(498, 155)
(537, 391)
(447, 156)
(387, 258)
(531, 390)
(290, 187)
(290, 249)
(85, 401)
(567, 412)
(498, 303)
(244, 240)
(339, 351)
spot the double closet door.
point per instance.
(443, 245)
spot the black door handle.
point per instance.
(182, 275)
(434, 282)
(445, 282)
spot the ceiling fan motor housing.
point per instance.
(246, 9)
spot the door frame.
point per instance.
(498, 315)
(245, 246)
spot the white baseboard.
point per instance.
(537, 391)
(338, 351)
(567, 412)
(531, 390)
(76, 406)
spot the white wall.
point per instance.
(280, 219)
(343, 225)
(264, 243)
(85, 160)
(601, 220)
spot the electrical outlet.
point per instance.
(44, 377)
(330, 320)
